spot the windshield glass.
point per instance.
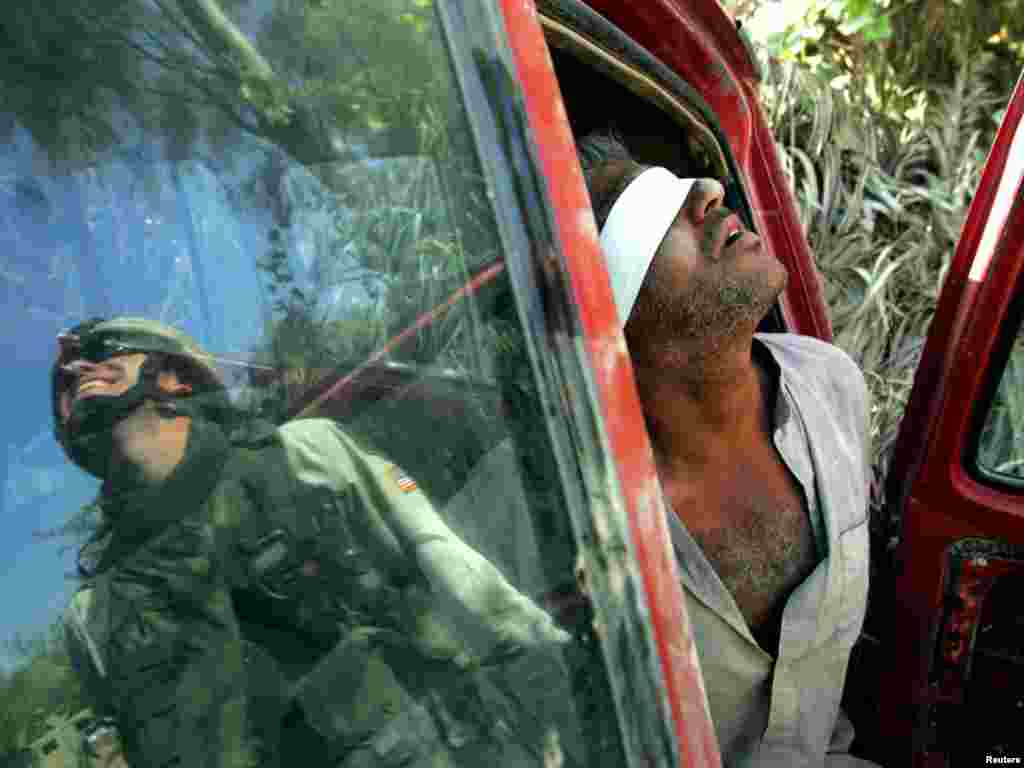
(274, 212)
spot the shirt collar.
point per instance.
(782, 411)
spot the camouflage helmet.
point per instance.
(141, 334)
(99, 339)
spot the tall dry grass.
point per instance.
(882, 198)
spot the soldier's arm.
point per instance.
(103, 741)
(404, 523)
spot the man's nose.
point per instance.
(705, 196)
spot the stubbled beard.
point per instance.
(709, 312)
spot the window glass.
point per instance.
(275, 211)
(1001, 446)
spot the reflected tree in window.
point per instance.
(1001, 447)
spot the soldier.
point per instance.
(255, 592)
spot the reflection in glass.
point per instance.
(293, 186)
(1001, 446)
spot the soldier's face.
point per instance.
(110, 378)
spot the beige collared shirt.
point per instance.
(784, 711)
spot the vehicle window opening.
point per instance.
(658, 129)
(603, 94)
(995, 447)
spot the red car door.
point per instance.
(692, 42)
(614, 393)
(951, 694)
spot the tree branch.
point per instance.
(221, 35)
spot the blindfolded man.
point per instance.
(760, 442)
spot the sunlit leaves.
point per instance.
(882, 198)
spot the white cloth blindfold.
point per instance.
(636, 225)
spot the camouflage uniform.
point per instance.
(291, 595)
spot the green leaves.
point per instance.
(882, 196)
(39, 692)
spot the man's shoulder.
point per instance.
(817, 363)
(821, 375)
(305, 430)
(803, 351)
(323, 447)
(273, 457)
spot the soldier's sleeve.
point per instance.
(403, 522)
(83, 651)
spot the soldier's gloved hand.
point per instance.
(469, 582)
(511, 618)
(526, 626)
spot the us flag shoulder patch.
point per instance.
(404, 482)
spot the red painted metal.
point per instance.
(943, 353)
(976, 581)
(617, 394)
(939, 500)
(700, 43)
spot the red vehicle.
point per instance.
(940, 683)
(408, 238)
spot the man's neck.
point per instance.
(703, 410)
(147, 448)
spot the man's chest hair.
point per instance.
(754, 529)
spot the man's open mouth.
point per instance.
(726, 231)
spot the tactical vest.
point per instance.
(379, 688)
(321, 622)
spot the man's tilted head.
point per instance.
(683, 267)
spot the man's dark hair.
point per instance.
(607, 169)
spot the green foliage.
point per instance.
(889, 53)
(41, 687)
(308, 81)
(824, 19)
(882, 196)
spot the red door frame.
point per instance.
(940, 500)
(618, 399)
(928, 472)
